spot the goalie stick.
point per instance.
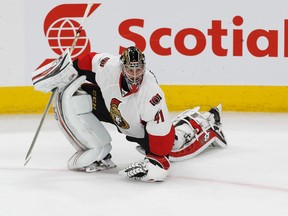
(28, 155)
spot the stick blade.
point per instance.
(27, 160)
(28, 155)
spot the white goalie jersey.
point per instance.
(133, 114)
(130, 111)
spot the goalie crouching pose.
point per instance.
(99, 88)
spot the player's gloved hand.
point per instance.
(57, 74)
(152, 169)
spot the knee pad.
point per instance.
(73, 112)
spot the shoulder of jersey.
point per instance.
(105, 59)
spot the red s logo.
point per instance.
(60, 28)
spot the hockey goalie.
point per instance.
(120, 90)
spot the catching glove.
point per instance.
(152, 169)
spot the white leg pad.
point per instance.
(73, 111)
(194, 133)
(83, 159)
(185, 132)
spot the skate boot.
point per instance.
(104, 164)
(217, 127)
(216, 111)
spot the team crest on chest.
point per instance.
(116, 114)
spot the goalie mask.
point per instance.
(133, 67)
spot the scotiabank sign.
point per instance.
(60, 28)
(217, 33)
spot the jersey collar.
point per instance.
(123, 88)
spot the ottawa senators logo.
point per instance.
(116, 114)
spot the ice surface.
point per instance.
(249, 177)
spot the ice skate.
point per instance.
(217, 127)
(104, 164)
(216, 111)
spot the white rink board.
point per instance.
(206, 67)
